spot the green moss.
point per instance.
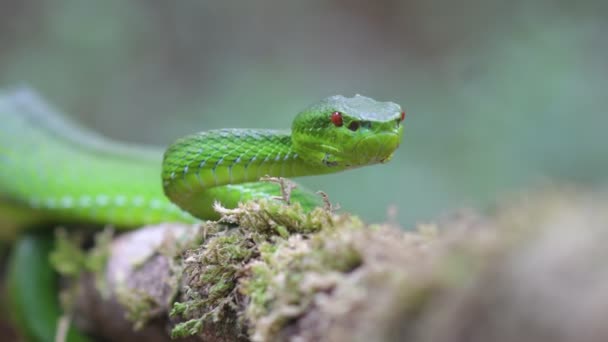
(214, 268)
(97, 258)
(67, 257)
(290, 272)
(140, 306)
(188, 328)
(71, 261)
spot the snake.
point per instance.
(58, 171)
(55, 171)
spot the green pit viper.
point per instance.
(54, 171)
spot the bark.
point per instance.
(532, 270)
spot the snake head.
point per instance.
(340, 132)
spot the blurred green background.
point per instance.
(500, 96)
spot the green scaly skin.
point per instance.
(53, 171)
(60, 172)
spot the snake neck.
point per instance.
(229, 156)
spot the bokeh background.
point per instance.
(501, 95)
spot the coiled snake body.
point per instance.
(58, 171)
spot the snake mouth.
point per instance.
(378, 148)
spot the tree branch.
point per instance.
(534, 270)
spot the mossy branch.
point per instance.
(270, 271)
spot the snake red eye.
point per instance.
(336, 118)
(402, 115)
